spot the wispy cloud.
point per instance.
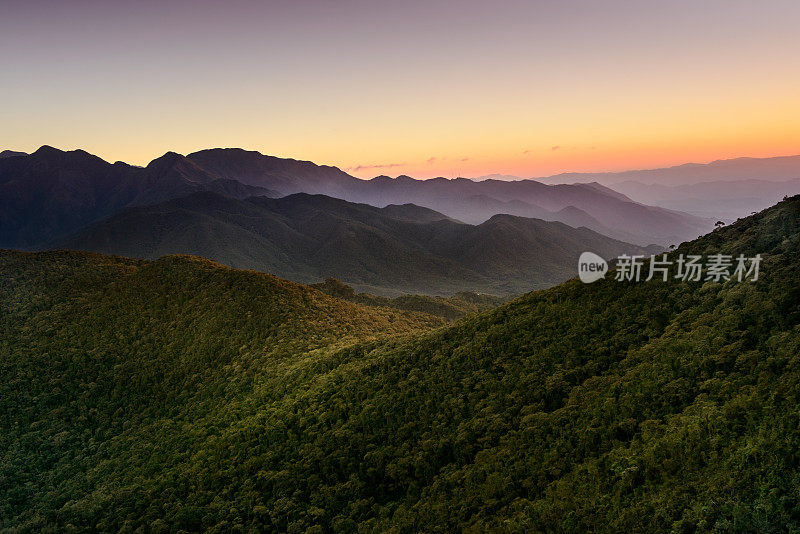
(375, 166)
(431, 160)
(568, 147)
(464, 159)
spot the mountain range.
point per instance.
(391, 250)
(592, 205)
(773, 169)
(727, 200)
(724, 189)
(180, 395)
(51, 193)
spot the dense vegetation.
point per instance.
(455, 307)
(180, 395)
(98, 352)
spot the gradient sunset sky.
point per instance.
(424, 88)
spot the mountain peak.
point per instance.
(388, 179)
(168, 158)
(73, 157)
(173, 160)
(11, 154)
(173, 165)
(46, 150)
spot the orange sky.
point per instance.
(424, 88)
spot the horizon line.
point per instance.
(480, 178)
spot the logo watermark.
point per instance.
(591, 267)
(686, 268)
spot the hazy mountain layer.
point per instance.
(391, 250)
(724, 189)
(778, 168)
(51, 193)
(727, 200)
(609, 212)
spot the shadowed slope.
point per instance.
(52, 193)
(392, 250)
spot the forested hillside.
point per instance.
(179, 395)
(455, 307)
(100, 352)
(391, 251)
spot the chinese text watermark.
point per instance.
(686, 268)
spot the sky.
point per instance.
(425, 88)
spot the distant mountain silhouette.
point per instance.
(778, 168)
(726, 200)
(11, 154)
(461, 198)
(51, 193)
(284, 175)
(392, 250)
(724, 189)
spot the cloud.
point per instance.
(431, 160)
(526, 151)
(572, 147)
(376, 166)
(464, 159)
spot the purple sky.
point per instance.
(419, 87)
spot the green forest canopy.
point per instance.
(179, 395)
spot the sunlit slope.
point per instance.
(97, 349)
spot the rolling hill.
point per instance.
(182, 395)
(390, 251)
(450, 308)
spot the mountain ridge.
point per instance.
(777, 167)
(464, 199)
(75, 196)
(390, 250)
(51, 192)
(727, 200)
(771, 168)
